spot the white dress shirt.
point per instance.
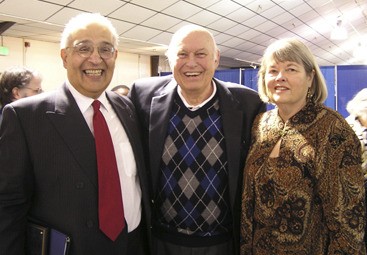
(129, 180)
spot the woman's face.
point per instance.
(287, 84)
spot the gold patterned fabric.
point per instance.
(310, 199)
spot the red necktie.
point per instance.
(110, 208)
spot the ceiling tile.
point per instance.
(163, 38)
(176, 27)
(34, 29)
(250, 34)
(47, 38)
(223, 48)
(309, 16)
(236, 30)
(259, 6)
(222, 24)
(60, 2)
(289, 5)
(300, 10)
(224, 7)
(161, 22)
(275, 32)
(285, 17)
(266, 26)
(222, 37)
(273, 12)
(261, 39)
(182, 10)
(233, 53)
(241, 15)
(154, 5)
(141, 33)
(307, 32)
(98, 6)
(233, 42)
(203, 18)
(63, 16)
(255, 21)
(30, 9)
(257, 47)
(121, 26)
(204, 3)
(129, 12)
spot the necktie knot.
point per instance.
(96, 104)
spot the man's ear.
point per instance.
(217, 58)
(16, 93)
(64, 56)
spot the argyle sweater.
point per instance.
(193, 196)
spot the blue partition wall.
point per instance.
(232, 75)
(343, 82)
(249, 78)
(329, 75)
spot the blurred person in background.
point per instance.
(18, 82)
(357, 108)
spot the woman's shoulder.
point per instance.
(332, 116)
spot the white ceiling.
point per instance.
(242, 28)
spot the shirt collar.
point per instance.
(85, 102)
(194, 108)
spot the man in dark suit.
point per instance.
(196, 132)
(48, 155)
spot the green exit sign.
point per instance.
(4, 51)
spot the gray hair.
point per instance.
(82, 21)
(177, 37)
(358, 105)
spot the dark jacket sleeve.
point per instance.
(16, 184)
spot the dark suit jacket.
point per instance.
(48, 171)
(153, 99)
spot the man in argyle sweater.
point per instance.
(196, 133)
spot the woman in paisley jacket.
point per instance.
(303, 183)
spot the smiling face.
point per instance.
(89, 75)
(194, 62)
(287, 84)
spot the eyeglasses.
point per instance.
(86, 50)
(38, 90)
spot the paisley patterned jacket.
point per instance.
(310, 199)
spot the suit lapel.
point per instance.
(159, 116)
(70, 123)
(232, 118)
(127, 119)
(124, 113)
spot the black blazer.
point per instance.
(153, 99)
(48, 171)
